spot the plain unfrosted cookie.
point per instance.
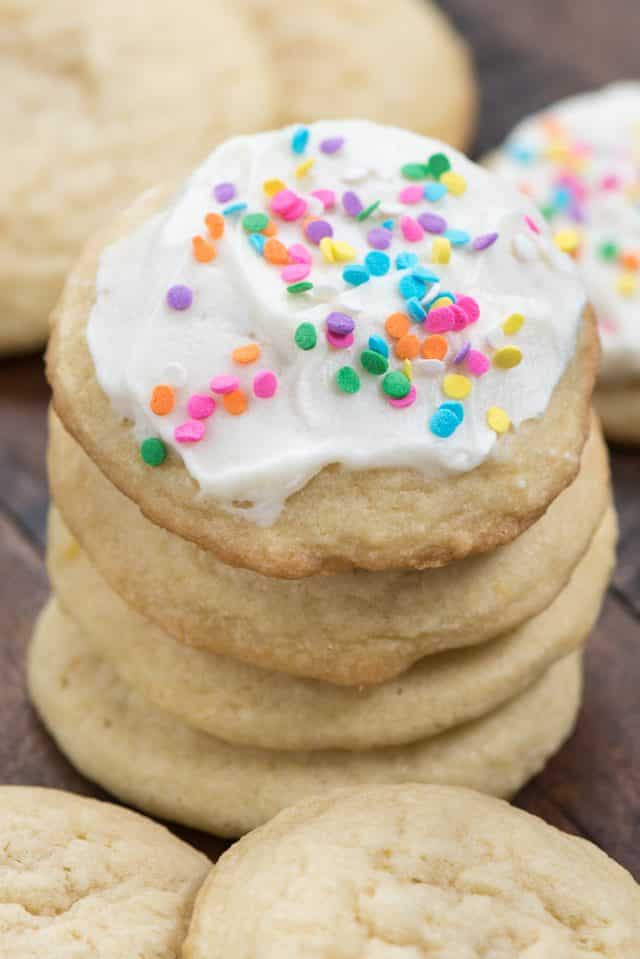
(98, 102)
(247, 706)
(369, 58)
(324, 627)
(619, 409)
(412, 872)
(149, 758)
(82, 878)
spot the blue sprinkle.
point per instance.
(257, 241)
(388, 224)
(416, 311)
(434, 191)
(457, 237)
(404, 260)
(456, 408)
(412, 287)
(425, 274)
(520, 153)
(443, 422)
(377, 263)
(355, 274)
(377, 344)
(561, 197)
(234, 208)
(299, 140)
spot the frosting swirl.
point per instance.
(343, 293)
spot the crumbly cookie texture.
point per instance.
(83, 878)
(365, 58)
(579, 161)
(289, 435)
(149, 758)
(85, 87)
(247, 706)
(414, 872)
(324, 627)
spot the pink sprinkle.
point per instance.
(339, 342)
(283, 200)
(469, 305)
(610, 182)
(440, 320)
(200, 406)
(295, 272)
(411, 194)
(404, 401)
(224, 384)
(477, 363)
(460, 318)
(532, 226)
(190, 432)
(265, 383)
(326, 197)
(411, 229)
(296, 211)
(299, 253)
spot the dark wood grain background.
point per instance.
(527, 54)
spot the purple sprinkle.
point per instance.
(352, 203)
(379, 238)
(331, 144)
(340, 324)
(223, 192)
(179, 297)
(484, 241)
(432, 223)
(462, 354)
(317, 230)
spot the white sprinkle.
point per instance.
(355, 174)
(428, 367)
(390, 208)
(524, 248)
(496, 337)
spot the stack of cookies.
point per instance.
(329, 504)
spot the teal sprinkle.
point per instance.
(299, 140)
(234, 208)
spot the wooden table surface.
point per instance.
(527, 54)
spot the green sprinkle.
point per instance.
(438, 164)
(608, 250)
(548, 211)
(374, 362)
(255, 222)
(396, 385)
(415, 171)
(347, 379)
(153, 451)
(306, 336)
(368, 210)
(302, 287)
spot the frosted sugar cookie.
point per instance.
(326, 351)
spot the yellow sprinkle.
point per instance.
(326, 248)
(507, 357)
(627, 284)
(498, 420)
(456, 386)
(342, 252)
(567, 240)
(513, 324)
(441, 301)
(454, 182)
(441, 250)
(271, 187)
(407, 369)
(303, 168)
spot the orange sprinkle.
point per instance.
(162, 400)
(407, 347)
(215, 224)
(270, 229)
(435, 347)
(397, 325)
(203, 252)
(630, 261)
(276, 252)
(234, 402)
(246, 354)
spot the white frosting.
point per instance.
(137, 341)
(601, 129)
